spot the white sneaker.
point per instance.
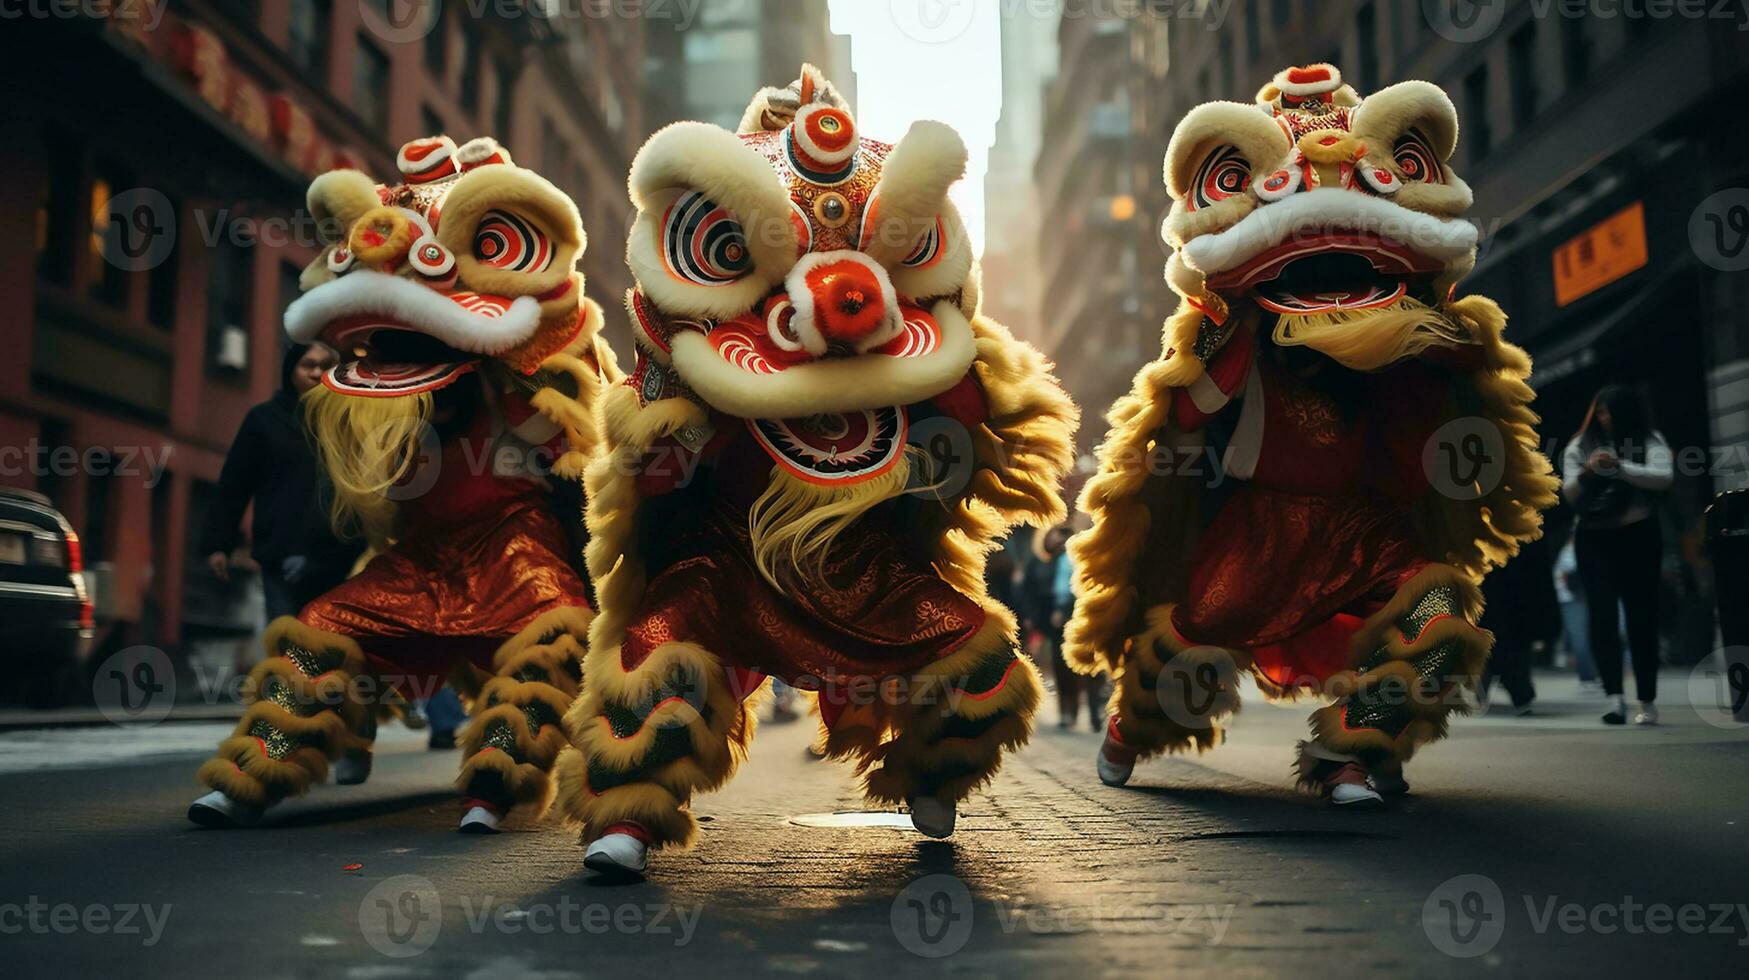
(617, 855)
(352, 768)
(479, 820)
(1647, 715)
(220, 811)
(933, 818)
(1348, 786)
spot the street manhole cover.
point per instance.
(854, 818)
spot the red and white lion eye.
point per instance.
(1417, 161)
(1223, 174)
(928, 251)
(507, 241)
(703, 244)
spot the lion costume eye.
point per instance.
(1416, 160)
(928, 251)
(1223, 174)
(507, 241)
(702, 242)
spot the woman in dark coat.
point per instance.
(272, 465)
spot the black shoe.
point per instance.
(441, 741)
(1615, 718)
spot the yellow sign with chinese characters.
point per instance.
(1603, 253)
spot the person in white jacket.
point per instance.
(1614, 471)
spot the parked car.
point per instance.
(46, 613)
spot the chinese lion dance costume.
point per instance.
(454, 430)
(1372, 447)
(805, 313)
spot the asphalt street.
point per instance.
(1545, 846)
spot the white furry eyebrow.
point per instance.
(1441, 238)
(365, 293)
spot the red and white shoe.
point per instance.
(480, 817)
(621, 852)
(1115, 761)
(1348, 785)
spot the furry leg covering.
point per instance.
(1171, 694)
(517, 730)
(1414, 659)
(648, 738)
(951, 721)
(303, 711)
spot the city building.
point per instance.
(1013, 293)
(160, 153)
(708, 68)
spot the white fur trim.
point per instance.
(1215, 124)
(418, 307)
(1389, 112)
(913, 189)
(835, 385)
(807, 325)
(815, 151)
(714, 162)
(1328, 208)
(1330, 84)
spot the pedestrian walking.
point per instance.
(272, 465)
(1614, 472)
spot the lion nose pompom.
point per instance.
(847, 301)
(380, 238)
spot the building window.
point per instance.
(470, 65)
(109, 281)
(307, 37)
(57, 211)
(228, 293)
(370, 84)
(1366, 31)
(1481, 136)
(161, 285)
(1576, 50)
(502, 110)
(1521, 58)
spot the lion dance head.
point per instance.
(466, 264)
(813, 282)
(1339, 217)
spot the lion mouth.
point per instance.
(1342, 271)
(383, 358)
